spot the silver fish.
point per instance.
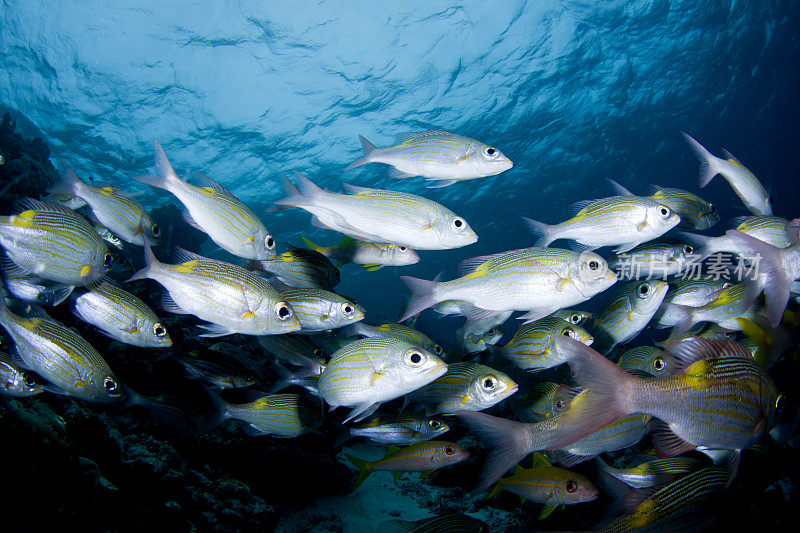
(15, 381)
(536, 280)
(370, 371)
(373, 256)
(627, 221)
(657, 259)
(437, 155)
(230, 298)
(74, 254)
(692, 291)
(627, 312)
(402, 430)
(111, 208)
(465, 386)
(533, 346)
(60, 356)
(30, 287)
(122, 316)
(281, 415)
(398, 331)
(769, 229)
(648, 359)
(319, 310)
(381, 216)
(214, 211)
(302, 269)
(744, 183)
(696, 214)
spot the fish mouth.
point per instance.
(588, 341)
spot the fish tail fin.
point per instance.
(165, 174)
(540, 228)
(772, 278)
(150, 264)
(302, 195)
(509, 439)
(708, 162)
(611, 387)
(69, 181)
(316, 247)
(364, 469)
(164, 411)
(369, 148)
(422, 296)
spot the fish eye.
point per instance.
(110, 385)
(458, 223)
(687, 249)
(575, 319)
(347, 308)
(559, 404)
(568, 332)
(107, 260)
(28, 379)
(317, 352)
(659, 363)
(492, 332)
(159, 330)
(437, 349)
(491, 152)
(490, 383)
(594, 265)
(449, 450)
(155, 230)
(269, 242)
(401, 248)
(643, 290)
(434, 424)
(780, 403)
(282, 311)
(713, 210)
(414, 358)
(571, 486)
(665, 211)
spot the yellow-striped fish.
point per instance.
(478, 342)
(651, 473)
(744, 183)
(418, 457)
(533, 346)
(648, 359)
(121, 316)
(406, 429)
(692, 291)
(656, 259)
(111, 208)
(302, 269)
(536, 280)
(719, 398)
(372, 255)
(230, 298)
(214, 211)
(370, 371)
(725, 308)
(465, 386)
(281, 415)
(15, 381)
(448, 523)
(683, 505)
(60, 356)
(381, 216)
(626, 221)
(437, 155)
(547, 485)
(398, 331)
(30, 287)
(627, 312)
(320, 310)
(769, 229)
(54, 243)
(696, 214)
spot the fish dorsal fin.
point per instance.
(37, 205)
(540, 460)
(205, 181)
(473, 264)
(730, 157)
(577, 207)
(181, 255)
(355, 189)
(619, 189)
(655, 189)
(689, 351)
(518, 469)
(402, 138)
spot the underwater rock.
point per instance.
(27, 170)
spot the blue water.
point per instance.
(572, 92)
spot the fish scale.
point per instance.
(463, 387)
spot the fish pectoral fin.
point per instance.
(465, 399)
(248, 315)
(666, 443)
(249, 240)
(465, 156)
(375, 376)
(429, 226)
(372, 267)
(642, 226)
(561, 283)
(138, 231)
